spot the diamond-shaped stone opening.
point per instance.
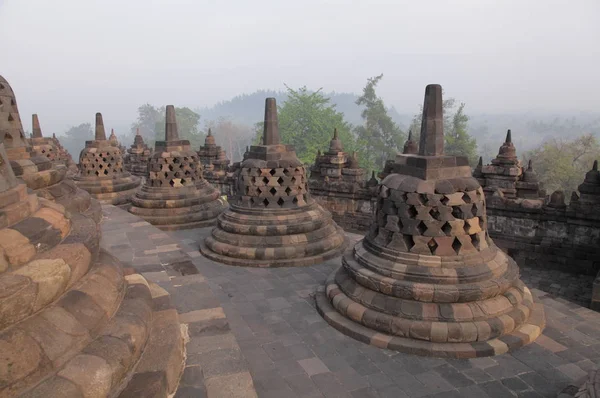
(280, 181)
(444, 200)
(183, 181)
(466, 198)
(412, 212)
(272, 172)
(100, 166)
(409, 241)
(185, 159)
(434, 213)
(475, 240)
(166, 174)
(457, 212)
(475, 209)
(421, 228)
(300, 188)
(456, 245)
(171, 167)
(266, 202)
(432, 244)
(171, 182)
(273, 191)
(43, 151)
(295, 200)
(97, 173)
(280, 201)
(105, 172)
(286, 172)
(447, 228)
(481, 223)
(423, 198)
(176, 160)
(10, 117)
(288, 190)
(293, 180)
(187, 173)
(266, 180)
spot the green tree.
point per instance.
(73, 140)
(306, 121)
(562, 163)
(379, 138)
(457, 141)
(148, 116)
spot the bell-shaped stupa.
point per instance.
(101, 170)
(272, 220)
(41, 173)
(175, 196)
(138, 156)
(64, 154)
(427, 279)
(71, 323)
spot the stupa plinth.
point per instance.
(38, 166)
(175, 196)
(216, 164)
(138, 157)
(272, 220)
(427, 279)
(101, 170)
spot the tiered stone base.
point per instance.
(114, 191)
(468, 320)
(178, 208)
(280, 238)
(71, 324)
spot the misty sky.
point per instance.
(67, 59)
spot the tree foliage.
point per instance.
(306, 121)
(561, 164)
(74, 139)
(379, 138)
(232, 137)
(151, 122)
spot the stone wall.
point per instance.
(352, 214)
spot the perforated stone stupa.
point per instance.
(101, 170)
(175, 196)
(427, 279)
(272, 220)
(42, 175)
(71, 323)
(64, 154)
(216, 164)
(138, 157)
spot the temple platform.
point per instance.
(256, 332)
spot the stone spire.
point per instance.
(210, 139)
(36, 129)
(410, 147)
(590, 189)
(507, 152)
(432, 125)
(171, 131)
(100, 133)
(138, 140)
(271, 129)
(335, 145)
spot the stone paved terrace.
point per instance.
(256, 332)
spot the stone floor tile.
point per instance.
(313, 366)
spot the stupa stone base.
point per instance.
(283, 238)
(111, 191)
(184, 208)
(443, 334)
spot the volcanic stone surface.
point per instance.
(39, 166)
(427, 279)
(272, 220)
(101, 170)
(175, 196)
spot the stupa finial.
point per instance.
(37, 130)
(271, 130)
(171, 133)
(432, 126)
(100, 133)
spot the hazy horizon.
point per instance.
(67, 59)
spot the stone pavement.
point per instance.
(573, 287)
(290, 351)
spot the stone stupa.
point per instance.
(71, 323)
(427, 279)
(43, 176)
(175, 196)
(272, 220)
(216, 164)
(138, 156)
(64, 154)
(101, 170)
